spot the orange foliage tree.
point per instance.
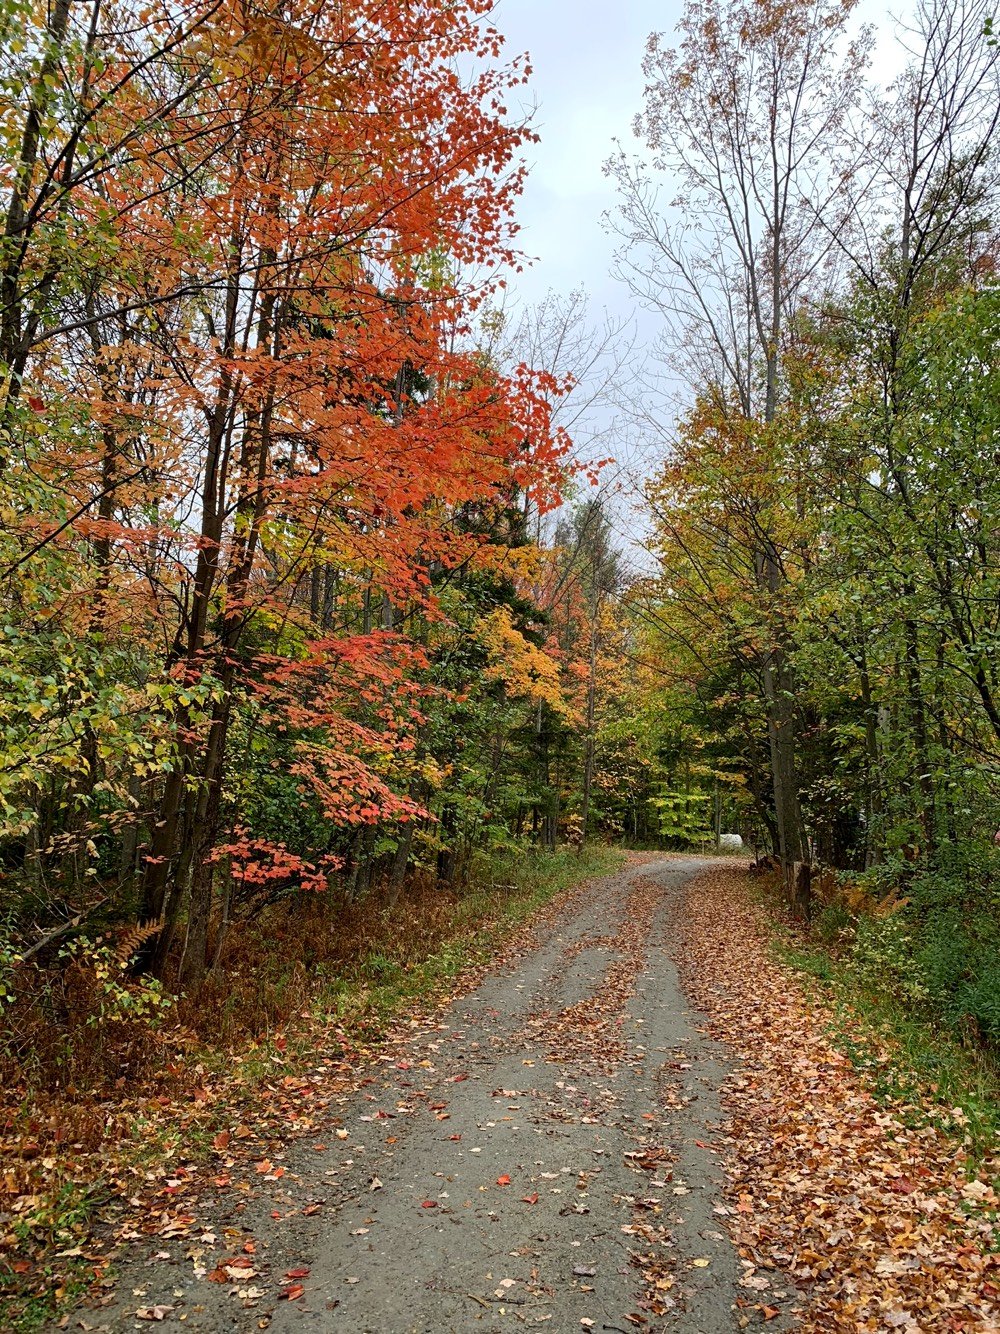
(242, 318)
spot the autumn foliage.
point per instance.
(253, 455)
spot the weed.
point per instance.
(816, 963)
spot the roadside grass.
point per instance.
(508, 891)
(918, 1066)
(283, 1018)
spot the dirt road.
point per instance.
(545, 1157)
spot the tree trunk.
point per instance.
(588, 761)
(782, 733)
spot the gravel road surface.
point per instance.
(545, 1157)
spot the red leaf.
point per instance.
(221, 1140)
(293, 1292)
(504, 1180)
(530, 1199)
(303, 1271)
(429, 1204)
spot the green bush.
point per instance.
(960, 958)
(883, 958)
(834, 925)
(979, 1002)
(941, 948)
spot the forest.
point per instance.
(326, 657)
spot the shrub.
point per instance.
(883, 957)
(834, 925)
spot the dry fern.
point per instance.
(134, 939)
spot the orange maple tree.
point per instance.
(274, 380)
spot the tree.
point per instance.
(245, 415)
(872, 480)
(748, 113)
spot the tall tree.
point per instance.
(748, 114)
(237, 322)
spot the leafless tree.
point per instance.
(592, 357)
(743, 193)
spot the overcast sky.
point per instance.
(587, 57)
(587, 84)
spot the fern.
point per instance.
(134, 939)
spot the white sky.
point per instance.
(586, 56)
(587, 86)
